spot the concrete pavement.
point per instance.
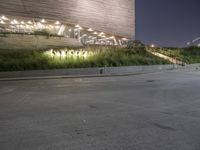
(156, 111)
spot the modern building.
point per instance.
(194, 42)
(107, 22)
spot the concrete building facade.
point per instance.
(87, 19)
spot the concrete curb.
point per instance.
(68, 77)
(83, 72)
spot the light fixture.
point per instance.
(90, 29)
(95, 33)
(57, 23)
(21, 26)
(43, 21)
(125, 39)
(112, 37)
(77, 26)
(29, 22)
(22, 22)
(102, 33)
(2, 22)
(4, 18)
(14, 22)
(152, 45)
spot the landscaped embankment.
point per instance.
(190, 55)
(76, 58)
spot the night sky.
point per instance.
(167, 22)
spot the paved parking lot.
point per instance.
(157, 111)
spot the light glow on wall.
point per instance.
(2, 22)
(14, 22)
(29, 22)
(43, 21)
(90, 29)
(57, 23)
(4, 18)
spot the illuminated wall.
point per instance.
(111, 16)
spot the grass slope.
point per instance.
(188, 55)
(100, 57)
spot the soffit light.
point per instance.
(4, 18)
(43, 21)
(30, 22)
(14, 22)
(125, 39)
(21, 26)
(57, 23)
(77, 26)
(90, 29)
(112, 37)
(22, 22)
(2, 22)
(102, 33)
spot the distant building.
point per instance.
(195, 42)
(102, 22)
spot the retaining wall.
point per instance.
(35, 42)
(87, 71)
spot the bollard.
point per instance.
(101, 70)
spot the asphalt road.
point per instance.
(157, 111)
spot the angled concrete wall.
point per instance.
(111, 16)
(80, 72)
(35, 42)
